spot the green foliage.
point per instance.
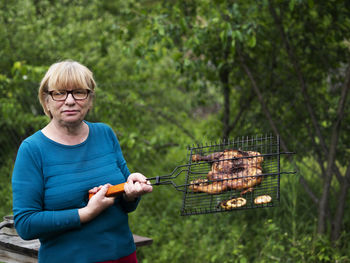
(5, 187)
(20, 117)
(159, 67)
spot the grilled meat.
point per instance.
(230, 160)
(205, 186)
(230, 169)
(234, 173)
(232, 203)
(223, 182)
(262, 199)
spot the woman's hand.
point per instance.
(98, 203)
(136, 186)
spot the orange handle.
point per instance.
(113, 190)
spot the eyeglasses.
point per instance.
(61, 95)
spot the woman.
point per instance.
(58, 166)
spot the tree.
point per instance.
(281, 66)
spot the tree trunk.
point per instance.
(338, 218)
(323, 206)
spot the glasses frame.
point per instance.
(70, 92)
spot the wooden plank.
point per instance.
(12, 257)
(142, 241)
(18, 245)
(15, 249)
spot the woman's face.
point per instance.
(70, 111)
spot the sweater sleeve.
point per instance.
(31, 220)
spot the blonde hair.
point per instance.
(63, 75)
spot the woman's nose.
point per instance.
(70, 99)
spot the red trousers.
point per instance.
(128, 259)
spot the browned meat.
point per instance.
(262, 199)
(248, 172)
(230, 160)
(230, 169)
(221, 182)
(233, 203)
(203, 185)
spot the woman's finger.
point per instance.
(146, 188)
(137, 177)
(102, 190)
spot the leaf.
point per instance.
(223, 36)
(237, 34)
(252, 41)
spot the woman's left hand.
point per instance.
(136, 186)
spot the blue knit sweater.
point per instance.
(50, 183)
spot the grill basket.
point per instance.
(268, 147)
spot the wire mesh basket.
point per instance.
(264, 192)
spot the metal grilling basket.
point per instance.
(238, 174)
(251, 190)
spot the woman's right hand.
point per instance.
(98, 203)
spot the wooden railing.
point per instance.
(13, 249)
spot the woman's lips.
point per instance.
(70, 111)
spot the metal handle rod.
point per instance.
(170, 176)
(118, 189)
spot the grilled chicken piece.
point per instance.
(229, 160)
(230, 169)
(203, 185)
(239, 173)
(223, 182)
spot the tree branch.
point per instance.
(332, 153)
(244, 105)
(260, 98)
(297, 68)
(171, 120)
(272, 123)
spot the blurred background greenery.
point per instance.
(174, 73)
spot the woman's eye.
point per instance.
(58, 93)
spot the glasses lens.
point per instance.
(59, 95)
(80, 94)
